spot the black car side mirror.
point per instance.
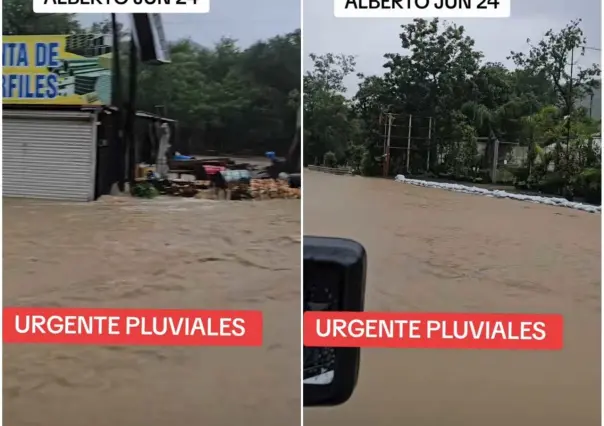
(334, 280)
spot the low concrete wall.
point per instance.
(336, 171)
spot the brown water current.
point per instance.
(437, 251)
(163, 253)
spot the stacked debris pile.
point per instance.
(256, 189)
(273, 188)
(222, 180)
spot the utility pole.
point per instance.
(591, 104)
(384, 120)
(409, 143)
(386, 125)
(495, 159)
(387, 146)
(118, 134)
(570, 98)
(429, 143)
(570, 108)
(131, 111)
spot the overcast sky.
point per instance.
(369, 39)
(240, 19)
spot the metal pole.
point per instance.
(295, 151)
(591, 104)
(387, 159)
(384, 136)
(429, 143)
(409, 142)
(495, 159)
(131, 118)
(117, 103)
(570, 108)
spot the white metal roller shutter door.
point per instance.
(50, 156)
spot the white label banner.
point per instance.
(422, 8)
(121, 6)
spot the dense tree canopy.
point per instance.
(225, 97)
(18, 18)
(440, 76)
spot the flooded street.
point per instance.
(163, 253)
(439, 251)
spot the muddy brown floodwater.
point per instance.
(163, 253)
(433, 250)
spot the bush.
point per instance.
(589, 185)
(484, 175)
(461, 178)
(330, 159)
(369, 167)
(145, 190)
(553, 183)
(521, 174)
(505, 176)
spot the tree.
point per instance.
(105, 27)
(328, 118)
(439, 74)
(18, 18)
(226, 98)
(330, 159)
(552, 58)
(433, 78)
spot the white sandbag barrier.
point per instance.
(561, 202)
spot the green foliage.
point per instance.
(589, 185)
(354, 156)
(369, 167)
(328, 119)
(144, 190)
(550, 57)
(442, 75)
(18, 18)
(330, 159)
(226, 98)
(461, 155)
